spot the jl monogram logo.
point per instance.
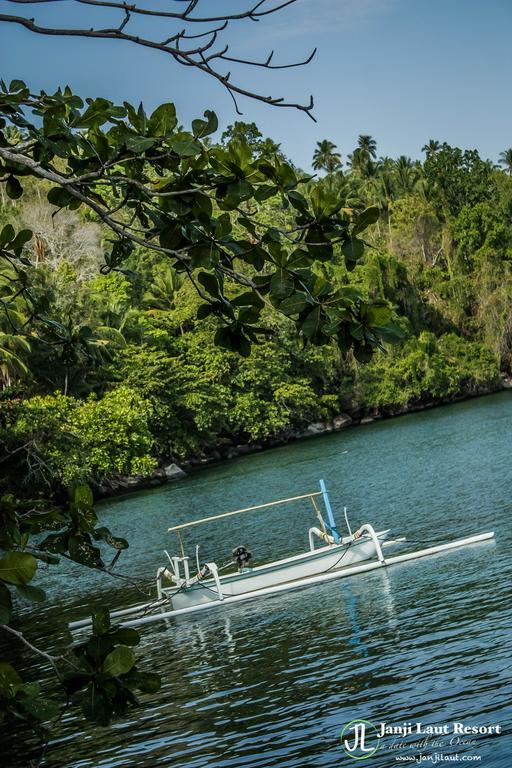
(360, 739)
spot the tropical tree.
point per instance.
(325, 157)
(383, 189)
(458, 178)
(432, 145)
(77, 353)
(506, 160)
(162, 293)
(242, 131)
(362, 158)
(164, 204)
(13, 349)
(367, 146)
(407, 175)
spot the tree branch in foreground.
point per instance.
(201, 50)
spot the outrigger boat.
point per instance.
(179, 592)
(209, 585)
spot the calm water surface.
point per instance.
(273, 682)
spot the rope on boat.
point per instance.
(319, 516)
(339, 559)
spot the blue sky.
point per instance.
(403, 71)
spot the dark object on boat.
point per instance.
(241, 556)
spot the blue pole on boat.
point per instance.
(330, 516)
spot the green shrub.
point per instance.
(73, 441)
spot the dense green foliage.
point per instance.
(239, 312)
(79, 440)
(123, 369)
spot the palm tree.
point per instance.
(363, 157)
(431, 146)
(506, 160)
(367, 146)
(325, 158)
(12, 350)
(81, 347)
(383, 188)
(268, 149)
(407, 175)
(161, 295)
(385, 163)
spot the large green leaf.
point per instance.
(119, 661)
(98, 647)
(23, 237)
(163, 120)
(203, 255)
(247, 299)
(10, 681)
(293, 304)
(318, 244)
(209, 282)
(125, 636)
(392, 333)
(139, 144)
(103, 534)
(31, 593)
(82, 551)
(186, 146)
(101, 622)
(368, 216)
(363, 353)
(352, 250)
(202, 128)
(59, 197)
(82, 497)
(17, 567)
(298, 201)
(6, 235)
(55, 542)
(95, 705)
(236, 193)
(311, 325)
(39, 708)
(281, 284)
(13, 188)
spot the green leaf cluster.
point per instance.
(106, 675)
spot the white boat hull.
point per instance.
(331, 558)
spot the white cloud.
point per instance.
(307, 17)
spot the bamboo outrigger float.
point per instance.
(179, 593)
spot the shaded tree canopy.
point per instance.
(458, 177)
(157, 187)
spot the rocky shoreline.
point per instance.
(226, 448)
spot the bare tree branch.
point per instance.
(121, 228)
(178, 43)
(48, 656)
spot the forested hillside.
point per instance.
(115, 373)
